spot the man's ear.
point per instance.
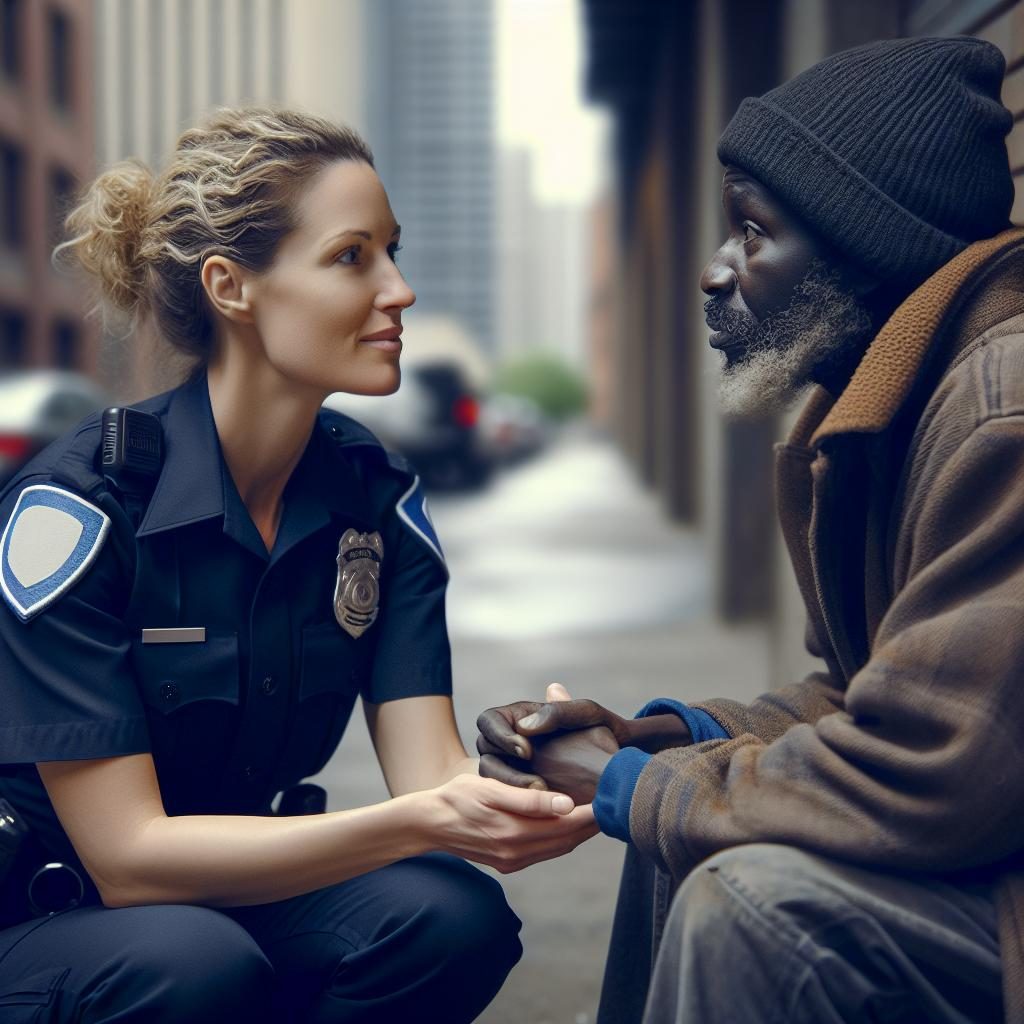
(225, 283)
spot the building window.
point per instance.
(12, 339)
(62, 194)
(10, 24)
(60, 60)
(12, 187)
(65, 345)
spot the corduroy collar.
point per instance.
(883, 380)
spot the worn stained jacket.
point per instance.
(902, 505)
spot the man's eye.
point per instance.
(350, 256)
(393, 251)
(749, 232)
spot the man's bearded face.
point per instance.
(768, 363)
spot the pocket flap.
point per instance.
(173, 675)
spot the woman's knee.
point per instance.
(468, 916)
(187, 963)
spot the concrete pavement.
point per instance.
(565, 570)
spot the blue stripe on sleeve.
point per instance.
(700, 723)
(615, 791)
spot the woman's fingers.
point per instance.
(567, 833)
(528, 803)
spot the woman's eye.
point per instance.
(393, 251)
(349, 256)
(749, 232)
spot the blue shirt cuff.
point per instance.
(615, 791)
(701, 725)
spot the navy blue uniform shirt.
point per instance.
(263, 700)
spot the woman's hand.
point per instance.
(505, 827)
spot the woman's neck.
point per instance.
(264, 424)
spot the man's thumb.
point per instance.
(556, 691)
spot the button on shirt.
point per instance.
(263, 699)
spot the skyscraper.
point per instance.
(430, 109)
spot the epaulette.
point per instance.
(69, 462)
(351, 435)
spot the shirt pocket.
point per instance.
(191, 694)
(333, 669)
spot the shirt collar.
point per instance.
(195, 485)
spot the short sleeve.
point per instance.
(68, 689)
(413, 655)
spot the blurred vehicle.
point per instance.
(37, 407)
(512, 427)
(433, 420)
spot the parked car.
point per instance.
(433, 420)
(512, 428)
(37, 407)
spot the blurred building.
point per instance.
(46, 150)
(161, 65)
(672, 72)
(541, 250)
(431, 111)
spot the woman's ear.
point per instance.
(224, 282)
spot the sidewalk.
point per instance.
(566, 571)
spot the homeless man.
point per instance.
(849, 848)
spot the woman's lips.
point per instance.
(389, 340)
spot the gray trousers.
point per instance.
(771, 934)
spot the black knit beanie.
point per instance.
(893, 152)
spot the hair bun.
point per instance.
(105, 231)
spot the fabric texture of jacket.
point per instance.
(902, 506)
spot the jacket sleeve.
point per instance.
(919, 768)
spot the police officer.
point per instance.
(196, 590)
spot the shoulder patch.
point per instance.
(413, 511)
(51, 539)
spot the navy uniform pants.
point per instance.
(426, 939)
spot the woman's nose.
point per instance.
(396, 293)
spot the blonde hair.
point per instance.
(229, 189)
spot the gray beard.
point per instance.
(825, 325)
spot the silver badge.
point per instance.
(357, 592)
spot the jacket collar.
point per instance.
(884, 379)
(195, 484)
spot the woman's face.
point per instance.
(328, 311)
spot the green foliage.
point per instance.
(548, 380)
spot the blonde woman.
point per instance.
(184, 633)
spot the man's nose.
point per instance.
(718, 277)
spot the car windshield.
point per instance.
(20, 400)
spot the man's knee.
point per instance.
(186, 963)
(759, 894)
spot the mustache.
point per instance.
(719, 316)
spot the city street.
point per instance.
(564, 570)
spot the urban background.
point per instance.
(553, 165)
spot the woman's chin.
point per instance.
(380, 383)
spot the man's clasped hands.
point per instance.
(564, 744)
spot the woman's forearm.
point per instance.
(227, 860)
(112, 812)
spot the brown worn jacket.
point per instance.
(902, 505)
